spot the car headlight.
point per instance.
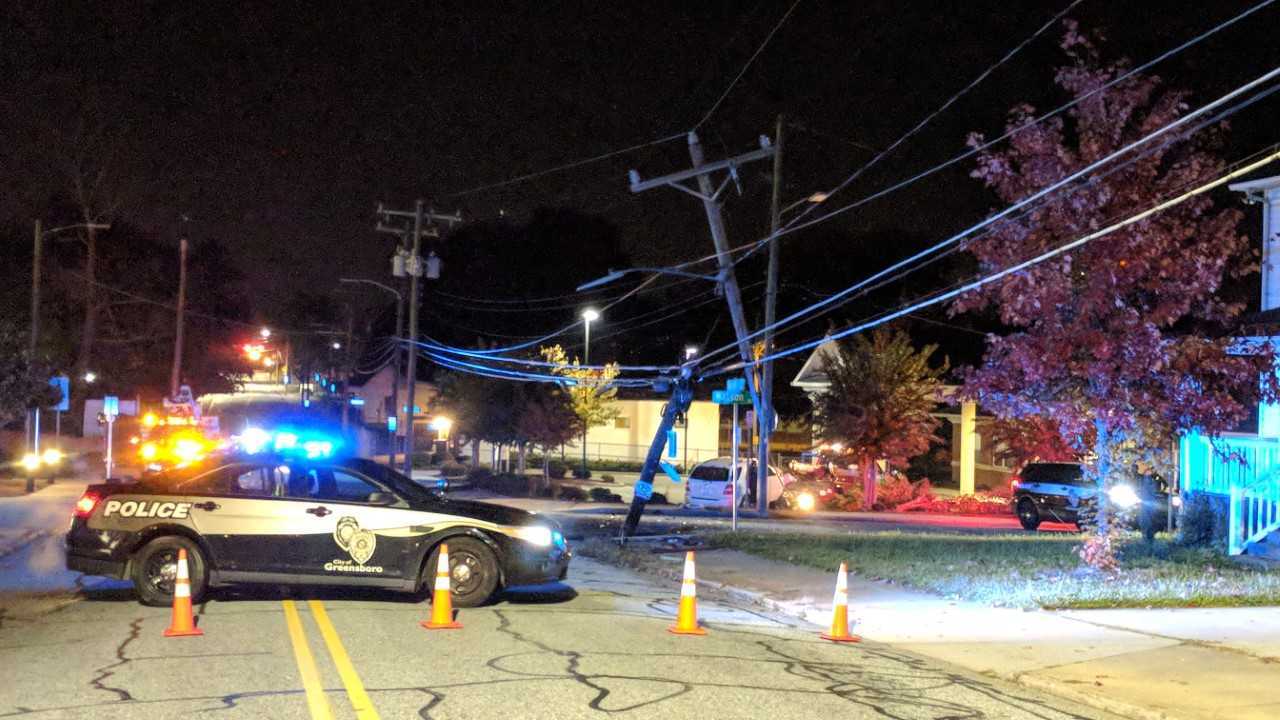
(1124, 496)
(537, 534)
(805, 501)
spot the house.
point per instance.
(1250, 489)
(628, 436)
(372, 395)
(976, 459)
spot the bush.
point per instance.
(894, 490)
(581, 474)
(606, 478)
(421, 460)
(604, 495)
(453, 470)
(1203, 521)
(573, 494)
(556, 469)
(479, 476)
(543, 491)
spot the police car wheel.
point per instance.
(1028, 515)
(473, 571)
(155, 568)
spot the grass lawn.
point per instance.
(1025, 570)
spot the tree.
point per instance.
(546, 419)
(879, 401)
(22, 385)
(591, 394)
(1112, 341)
(1031, 439)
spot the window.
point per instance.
(262, 481)
(338, 485)
(1060, 473)
(622, 423)
(712, 473)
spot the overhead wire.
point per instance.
(794, 225)
(943, 107)
(1033, 198)
(777, 26)
(993, 277)
(1034, 209)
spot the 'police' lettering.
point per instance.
(147, 509)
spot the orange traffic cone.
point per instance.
(183, 622)
(441, 601)
(840, 613)
(687, 616)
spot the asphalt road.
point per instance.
(596, 645)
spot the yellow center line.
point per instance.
(360, 701)
(317, 703)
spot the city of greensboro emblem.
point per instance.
(357, 542)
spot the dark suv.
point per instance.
(1061, 492)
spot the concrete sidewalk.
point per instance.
(1193, 664)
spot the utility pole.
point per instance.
(422, 222)
(175, 375)
(710, 197)
(765, 414)
(36, 255)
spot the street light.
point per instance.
(589, 316)
(690, 352)
(336, 345)
(265, 333)
(90, 377)
(815, 198)
(395, 376)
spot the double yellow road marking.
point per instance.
(317, 702)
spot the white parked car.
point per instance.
(709, 487)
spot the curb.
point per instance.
(1093, 700)
(1061, 689)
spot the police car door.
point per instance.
(354, 528)
(241, 513)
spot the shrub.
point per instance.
(421, 460)
(453, 470)
(573, 494)
(894, 490)
(479, 476)
(1203, 521)
(543, 491)
(606, 478)
(556, 469)
(581, 474)
(604, 495)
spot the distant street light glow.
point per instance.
(690, 351)
(590, 315)
(265, 333)
(89, 377)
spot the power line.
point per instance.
(943, 107)
(1033, 209)
(988, 279)
(794, 227)
(566, 166)
(1033, 198)
(745, 67)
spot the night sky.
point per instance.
(278, 127)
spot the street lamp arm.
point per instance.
(616, 274)
(91, 226)
(374, 283)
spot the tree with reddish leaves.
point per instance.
(1121, 340)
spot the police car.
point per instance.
(1062, 492)
(305, 519)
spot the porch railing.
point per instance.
(1244, 468)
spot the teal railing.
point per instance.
(1244, 468)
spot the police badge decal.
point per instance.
(357, 542)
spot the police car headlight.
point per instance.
(536, 534)
(1124, 496)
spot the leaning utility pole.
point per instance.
(175, 374)
(422, 222)
(764, 417)
(710, 197)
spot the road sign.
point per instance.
(670, 470)
(63, 383)
(735, 386)
(724, 397)
(111, 406)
